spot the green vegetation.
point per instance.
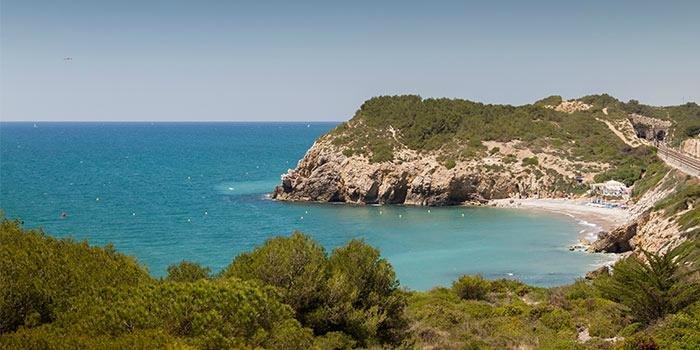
(553, 101)
(471, 287)
(632, 165)
(352, 291)
(456, 130)
(531, 161)
(656, 286)
(458, 127)
(187, 271)
(42, 277)
(290, 294)
(651, 177)
(685, 199)
(685, 118)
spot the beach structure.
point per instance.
(610, 188)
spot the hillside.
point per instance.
(405, 149)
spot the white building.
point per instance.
(610, 188)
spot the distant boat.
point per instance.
(35, 125)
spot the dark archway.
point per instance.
(660, 135)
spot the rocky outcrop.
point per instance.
(325, 174)
(691, 147)
(570, 106)
(619, 240)
(650, 229)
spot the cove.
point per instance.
(165, 192)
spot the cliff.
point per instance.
(409, 150)
(325, 174)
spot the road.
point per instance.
(678, 160)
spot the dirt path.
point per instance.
(619, 134)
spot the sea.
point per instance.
(168, 192)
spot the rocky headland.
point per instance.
(406, 150)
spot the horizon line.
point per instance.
(173, 121)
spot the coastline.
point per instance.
(596, 219)
(606, 218)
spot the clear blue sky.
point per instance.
(318, 60)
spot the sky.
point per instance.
(319, 60)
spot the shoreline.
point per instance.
(606, 218)
(596, 219)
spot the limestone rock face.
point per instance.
(619, 240)
(650, 229)
(691, 147)
(325, 174)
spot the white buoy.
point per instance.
(97, 199)
(510, 274)
(380, 212)
(306, 212)
(428, 210)
(462, 214)
(301, 218)
(133, 214)
(400, 215)
(206, 213)
(188, 220)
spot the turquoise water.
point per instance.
(165, 192)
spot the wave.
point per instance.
(246, 187)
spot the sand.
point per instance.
(605, 218)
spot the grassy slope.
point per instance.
(459, 126)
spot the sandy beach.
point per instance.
(598, 218)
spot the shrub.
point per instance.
(640, 342)
(556, 319)
(221, 314)
(450, 163)
(656, 286)
(553, 100)
(295, 264)
(531, 161)
(686, 197)
(353, 291)
(41, 276)
(363, 299)
(471, 287)
(334, 341)
(187, 271)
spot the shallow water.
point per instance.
(165, 192)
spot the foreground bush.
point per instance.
(656, 284)
(295, 264)
(98, 299)
(41, 277)
(187, 271)
(354, 291)
(206, 314)
(471, 287)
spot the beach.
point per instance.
(597, 218)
